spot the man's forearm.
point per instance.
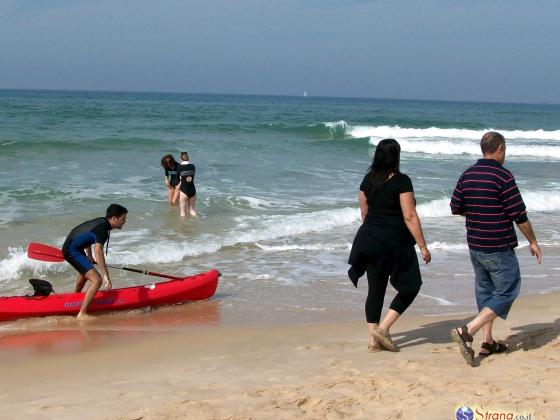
(527, 230)
(100, 258)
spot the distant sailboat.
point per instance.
(305, 93)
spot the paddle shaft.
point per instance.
(147, 273)
(50, 253)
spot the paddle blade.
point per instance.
(44, 252)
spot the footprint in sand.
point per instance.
(314, 347)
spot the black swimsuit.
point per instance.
(172, 176)
(186, 171)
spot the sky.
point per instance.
(500, 51)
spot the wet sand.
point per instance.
(305, 371)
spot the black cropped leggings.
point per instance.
(377, 282)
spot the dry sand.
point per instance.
(309, 371)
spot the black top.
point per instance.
(172, 175)
(87, 234)
(383, 239)
(186, 170)
(384, 206)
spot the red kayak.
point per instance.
(198, 287)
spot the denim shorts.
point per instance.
(497, 280)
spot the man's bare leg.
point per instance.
(487, 331)
(95, 279)
(484, 319)
(80, 283)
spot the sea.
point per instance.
(277, 182)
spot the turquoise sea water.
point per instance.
(277, 181)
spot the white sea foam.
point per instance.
(446, 246)
(381, 132)
(303, 247)
(441, 301)
(251, 230)
(434, 208)
(541, 200)
(454, 141)
(337, 127)
(536, 201)
(16, 262)
(257, 203)
(460, 147)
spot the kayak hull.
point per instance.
(198, 287)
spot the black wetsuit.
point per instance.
(172, 175)
(186, 172)
(82, 236)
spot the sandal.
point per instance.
(384, 339)
(463, 338)
(495, 347)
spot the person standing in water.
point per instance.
(384, 244)
(171, 178)
(187, 196)
(77, 250)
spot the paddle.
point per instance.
(49, 253)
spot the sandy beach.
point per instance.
(303, 371)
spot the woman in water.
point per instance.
(187, 198)
(171, 178)
(384, 244)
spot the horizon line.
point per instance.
(308, 97)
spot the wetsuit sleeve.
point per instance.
(101, 233)
(457, 203)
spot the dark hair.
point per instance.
(115, 210)
(184, 156)
(385, 162)
(491, 141)
(168, 161)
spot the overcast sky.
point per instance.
(505, 50)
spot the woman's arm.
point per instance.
(363, 205)
(408, 207)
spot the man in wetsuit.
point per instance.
(77, 250)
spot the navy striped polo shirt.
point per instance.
(487, 195)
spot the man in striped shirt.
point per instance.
(487, 195)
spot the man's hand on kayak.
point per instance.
(107, 285)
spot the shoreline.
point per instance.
(287, 371)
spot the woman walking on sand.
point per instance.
(384, 244)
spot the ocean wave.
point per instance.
(17, 263)
(303, 247)
(250, 231)
(536, 201)
(381, 132)
(449, 141)
(447, 147)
